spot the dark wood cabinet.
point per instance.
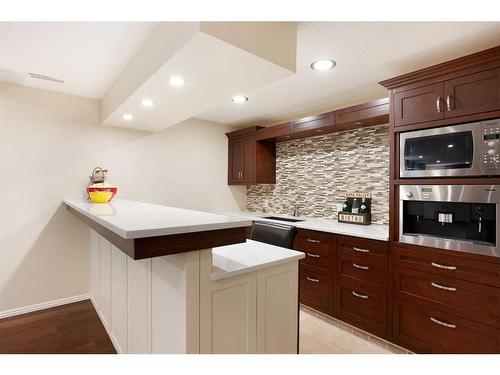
(345, 277)
(427, 330)
(313, 125)
(473, 93)
(375, 112)
(418, 105)
(250, 161)
(445, 303)
(316, 269)
(461, 90)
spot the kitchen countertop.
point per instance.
(133, 219)
(233, 260)
(373, 231)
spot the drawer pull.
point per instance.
(360, 267)
(437, 265)
(313, 241)
(359, 250)
(312, 255)
(441, 323)
(363, 296)
(312, 280)
(448, 288)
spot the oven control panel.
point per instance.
(491, 144)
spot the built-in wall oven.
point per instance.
(454, 217)
(471, 149)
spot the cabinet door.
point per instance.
(419, 105)
(249, 160)
(228, 314)
(236, 160)
(474, 93)
(313, 124)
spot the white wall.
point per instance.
(49, 144)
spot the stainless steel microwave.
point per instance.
(471, 149)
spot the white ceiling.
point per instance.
(366, 53)
(88, 56)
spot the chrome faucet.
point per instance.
(295, 211)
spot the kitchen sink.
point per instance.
(282, 219)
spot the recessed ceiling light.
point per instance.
(127, 117)
(438, 161)
(450, 145)
(239, 99)
(176, 81)
(147, 103)
(323, 64)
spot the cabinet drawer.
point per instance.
(448, 265)
(435, 331)
(363, 269)
(362, 248)
(362, 305)
(315, 288)
(317, 246)
(445, 291)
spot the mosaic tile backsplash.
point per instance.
(316, 173)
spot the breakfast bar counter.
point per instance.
(169, 280)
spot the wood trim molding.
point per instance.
(489, 56)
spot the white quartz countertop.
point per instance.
(373, 231)
(237, 259)
(133, 219)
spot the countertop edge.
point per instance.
(221, 275)
(140, 233)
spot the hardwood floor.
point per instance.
(70, 329)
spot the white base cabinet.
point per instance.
(171, 304)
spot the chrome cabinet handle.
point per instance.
(239, 175)
(312, 255)
(313, 241)
(441, 323)
(360, 267)
(448, 288)
(362, 296)
(448, 102)
(360, 250)
(242, 177)
(437, 265)
(438, 104)
(312, 280)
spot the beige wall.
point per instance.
(49, 144)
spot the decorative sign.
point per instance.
(356, 208)
(359, 194)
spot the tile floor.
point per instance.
(320, 334)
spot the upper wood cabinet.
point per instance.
(312, 125)
(249, 161)
(461, 90)
(473, 93)
(419, 105)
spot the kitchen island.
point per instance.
(169, 280)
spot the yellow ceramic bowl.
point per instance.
(100, 196)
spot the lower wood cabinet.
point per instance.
(345, 277)
(363, 305)
(444, 302)
(426, 330)
(316, 288)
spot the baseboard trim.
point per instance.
(43, 306)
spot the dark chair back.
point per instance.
(273, 234)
